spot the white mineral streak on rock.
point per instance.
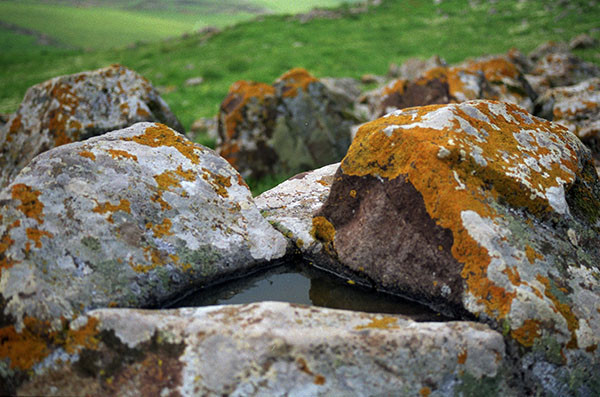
(557, 200)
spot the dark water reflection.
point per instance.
(298, 283)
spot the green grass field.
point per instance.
(264, 49)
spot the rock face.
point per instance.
(76, 107)
(577, 107)
(127, 219)
(291, 205)
(479, 209)
(297, 124)
(558, 68)
(495, 77)
(274, 349)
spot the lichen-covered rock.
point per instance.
(495, 77)
(479, 209)
(75, 107)
(291, 205)
(294, 125)
(560, 68)
(271, 349)
(577, 107)
(129, 219)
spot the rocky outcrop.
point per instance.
(274, 349)
(483, 210)
(557, 67)
(75, 107)
(297, 124)
(130, 219)
(494, 77)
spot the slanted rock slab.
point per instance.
(75, 107)
(274, 349)
(483, 211)
(128, 219)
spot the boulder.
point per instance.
(294, 125)
(481, 211)
(494, 77)
(75, 107)
(291, 205)
(132, 218)
(271, 349)
(557, 69)
(583, 41)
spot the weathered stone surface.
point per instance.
(297, 124)
(494, 77)
(583, 41)
(481, 209)
(577, 107)
(127, 219)
(274, 349)
(203, 126)
(557, 69)
(291, 205)
(75, 107)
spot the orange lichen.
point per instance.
(88, 154)
(322, 229)
(219, 182)
(380, 323)
(495, 69)
(462, 357)
(103, 208)
(398, 87)
(564, 310)
(532, 255)
(36, 236)
(240, 93)
(15, 126)
(115, 154)
(295, 79)
(30, 346)
(169, 180)
(425, 391)
(527, 333)
(160, 135)
(303, 366)
(58, 117)
(142, 112)
(162, 230)
(448, 190)
(30, 206)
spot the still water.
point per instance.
(299, 283)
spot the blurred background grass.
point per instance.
(260, 39)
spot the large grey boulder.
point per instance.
(479, 209)
(271, 349)
(75, 107)
(132, 218)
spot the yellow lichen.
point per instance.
(322, 229)
(425, 391)
(162, 230)
(160, 135)
(88, 154)
(219, 182)
(116, 154)
(102, 208)
(532, 255)
(462, 357)
(240, 93)
(294, 80)
(380, 323)
(527, 333)
(36, 236)
(564, 310)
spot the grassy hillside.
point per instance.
(116, 23)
